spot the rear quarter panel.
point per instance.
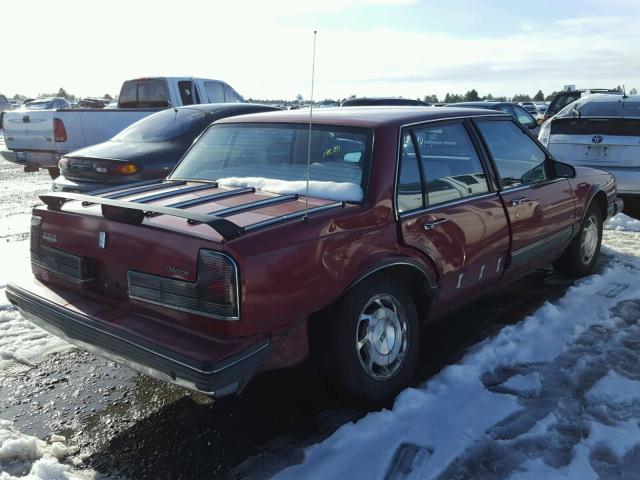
(587, 183)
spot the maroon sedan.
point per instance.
(265, 245)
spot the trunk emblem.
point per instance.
(597, 139)
(49, 237)
(183, 272)
(102, 239)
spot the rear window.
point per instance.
(148, 93)
(40, 105)
(162, 126)
(273, 157)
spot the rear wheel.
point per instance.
(580, 257)
(372, 339)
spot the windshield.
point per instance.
(273, 157)
(162, 126)
(40, 105)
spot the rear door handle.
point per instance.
(518, 201)
(430, 225)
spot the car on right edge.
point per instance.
(601, 131)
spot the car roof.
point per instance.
(370, 117)
(609, 97)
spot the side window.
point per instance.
(518, 159)
(215, 91)
(186, 92)
(409, 182)
(523, 116)
(451, 165)
(229, 95)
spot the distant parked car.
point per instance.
(564, 98)
(601, 131)
(91, 103)
(52, 103)
(541, 109)
(382, 101)
(15, 104)
(529, 107)
(4, 104)
(146, 150)
(525, 118)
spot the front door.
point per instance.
(448, 211)
(541, 208)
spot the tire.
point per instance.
(580, 257)
(354, 346)
(54, 173)
(632, 207)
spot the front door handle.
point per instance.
(518, 201)
(430, 225)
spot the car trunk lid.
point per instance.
(596, 141)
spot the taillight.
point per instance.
(217, 283)
(59, 132)
(215, 294)
(63, 164)
(123, 169)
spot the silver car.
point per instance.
(601, 131)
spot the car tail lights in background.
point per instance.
(59, 132)
(63, 164)
(215, 294)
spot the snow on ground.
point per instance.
(554, 396)
(29, 458)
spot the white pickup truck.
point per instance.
(38, 138)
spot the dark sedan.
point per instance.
(146, 150)
(524, 118)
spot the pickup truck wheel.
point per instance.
(54, 173)
(579, 259)
(376, 338)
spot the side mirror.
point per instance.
(564, 170)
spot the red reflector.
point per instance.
(59, 132)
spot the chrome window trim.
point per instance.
(190, 310)
(410, 213)
(541, 183)
(424, 122)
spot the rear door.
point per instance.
(541, 208)
(448, 209)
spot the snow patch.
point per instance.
(614, 388)
(337, 191)
(622, 222)
(28, 458)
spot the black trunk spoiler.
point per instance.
(134, 212)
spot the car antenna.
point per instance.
(313, 73)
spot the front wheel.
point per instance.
(580, 257)
(373, 339)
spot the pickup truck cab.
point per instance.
(265, 245)
(38, 139)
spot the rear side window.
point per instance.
(149, 93)
(186, 92)
(215, 91)
(519, 159)
(450, 166)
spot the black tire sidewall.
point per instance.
(347, 363)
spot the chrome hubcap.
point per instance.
(381, 337)
(589, 242)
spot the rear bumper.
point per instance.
(205, 371)
(32, 158)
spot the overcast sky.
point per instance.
(366, 47)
